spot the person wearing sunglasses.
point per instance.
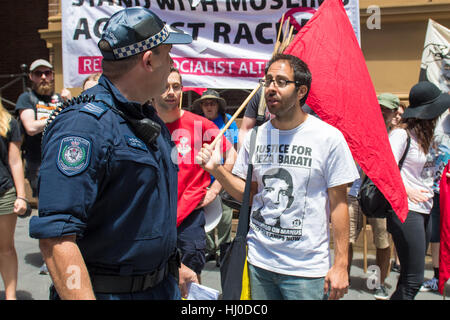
(33, 109)
(301, 168)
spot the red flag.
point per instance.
(197, 90)
(444, 249)
(343, 95)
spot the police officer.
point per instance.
(108, 187)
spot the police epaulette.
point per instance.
(76, 100)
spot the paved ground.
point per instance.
(33, 286)
(359, 280)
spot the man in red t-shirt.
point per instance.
(189, 132)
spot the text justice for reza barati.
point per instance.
(222, 32)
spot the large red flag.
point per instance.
(444, 249)
(343, 95)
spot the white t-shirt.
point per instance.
(354, 190)
(418, 168)
(289, 224)
(441, 149)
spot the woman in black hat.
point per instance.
(427, 103)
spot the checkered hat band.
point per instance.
(144, 45)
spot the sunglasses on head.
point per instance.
(39, 74)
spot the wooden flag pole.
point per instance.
(277, 43)
(181, 99)
(235, 115)
(364, 228)
(287, 38)
(291, 36)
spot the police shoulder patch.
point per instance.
(74, 155)
(96, 110)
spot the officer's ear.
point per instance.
(147, 60)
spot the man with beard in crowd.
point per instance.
(33, 108)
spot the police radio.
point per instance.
(146, 129)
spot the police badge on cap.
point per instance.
(135, 30)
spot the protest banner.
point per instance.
(435, 66)
(233, 39)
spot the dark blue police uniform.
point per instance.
(100, 181)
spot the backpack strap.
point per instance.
(244, 213)
(364, 177)
(405, 153)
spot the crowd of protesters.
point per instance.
(127, 134)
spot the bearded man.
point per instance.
(34, 108)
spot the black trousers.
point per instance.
(191, 241)
(411, 240)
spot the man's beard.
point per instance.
(163, 105)
(44, 88)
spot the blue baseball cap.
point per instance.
(134, 30)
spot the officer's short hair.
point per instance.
(113, 69)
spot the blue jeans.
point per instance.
(268, 285)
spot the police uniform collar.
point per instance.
(149, 110)
(132, 108)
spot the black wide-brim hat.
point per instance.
(426, 101)
(210, 94)
(134, 30)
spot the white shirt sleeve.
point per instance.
(397, 139)
(340, 167)
(241, 164)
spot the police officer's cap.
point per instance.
(133, 30)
